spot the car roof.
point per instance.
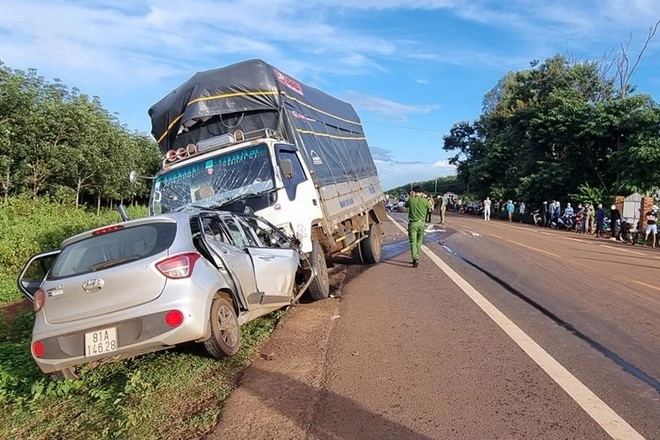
(170, 217)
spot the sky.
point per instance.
(411, 68)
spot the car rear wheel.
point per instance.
(225, 337)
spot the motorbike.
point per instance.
(538, 218)
(625, 231)
(564, 222)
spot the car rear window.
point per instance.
(112, 249)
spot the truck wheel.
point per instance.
(319, 288)
(356, 253)
(225, 337)
(370, 247)
(66, 374)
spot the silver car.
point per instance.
(152, 283)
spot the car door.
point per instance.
(34, 272)
(275, 266)
(225, 240)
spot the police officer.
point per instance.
(418, 205)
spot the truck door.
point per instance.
(296, 175)
(34, 272)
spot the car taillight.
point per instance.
(38, 349)
(39, 299)
(107, 229)
(178, 266)
(174, 318)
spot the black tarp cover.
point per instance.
(252, 95)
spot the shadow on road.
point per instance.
(335, 416)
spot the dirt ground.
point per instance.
(276, 395)
(402, 353)
(9, 311)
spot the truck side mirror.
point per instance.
(287, 169)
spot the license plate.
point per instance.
(101, 342)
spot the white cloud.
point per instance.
(386, 107)
(444, 163)
(395, 173)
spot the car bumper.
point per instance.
(139, 330)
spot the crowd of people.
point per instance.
(586, 218)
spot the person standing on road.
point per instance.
(430, 210)
(652, 224)
(522, 211)
(545, 214)
(510, 207)
(592, 218)
(487, 209)
(443, 202)
(417, 205)
(615, 222)
(600, 220)
(586, 218)
(552, 206)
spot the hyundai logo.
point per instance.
(93, 285)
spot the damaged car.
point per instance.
(152, 283)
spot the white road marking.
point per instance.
(647, 285)
(598, 410)
(533, 248)
(622, 250)
(576, 239)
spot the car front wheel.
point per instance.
(225, 337)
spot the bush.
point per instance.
(30, 226)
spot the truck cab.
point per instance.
(257, 172)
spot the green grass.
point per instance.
(172, 394)
(30, 226)
(175, 394)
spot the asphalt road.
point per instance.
(504, 331)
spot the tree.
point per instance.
(59, 141)
(550, 129)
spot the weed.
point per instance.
(171, 394)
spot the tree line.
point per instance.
(60, 143)
(561, 129)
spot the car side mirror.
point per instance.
(287, 169)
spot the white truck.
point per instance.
(248, 136)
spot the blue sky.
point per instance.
(411, 68)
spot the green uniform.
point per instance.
(443, 210)
(417, 208)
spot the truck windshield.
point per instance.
(213, 181)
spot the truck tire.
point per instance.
(370, 247)
(319, 288)
(225, 337)
(356, 253)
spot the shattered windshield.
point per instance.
(214, 181)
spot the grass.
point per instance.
(174, 394)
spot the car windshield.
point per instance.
(113, 249)
(214, 181)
